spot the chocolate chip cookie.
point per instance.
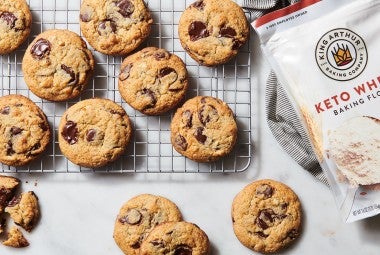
(24, 130)
(16, 239)
(204, 129)
(179, 238)
(212, 32)
(153, 81)
(8, 185)
(15, 24)
(94, 132)
(138, 217)
(115, 27)
(24, 210)
(266, 216)
(57, 65)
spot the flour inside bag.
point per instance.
(327, 56)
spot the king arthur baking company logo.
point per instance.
(341, 54)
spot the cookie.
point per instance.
(138, 217)
(24, 210)
(178, 238)
(24, 130)
(15, 24)
(57, 65)
(16, 239)
(266, 216)
(94, 132)
(153, 81)
(115, 27)
(204, 129)
(8, 185)
(211, 32)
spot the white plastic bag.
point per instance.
(327, 56)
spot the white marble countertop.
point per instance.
(78, 210)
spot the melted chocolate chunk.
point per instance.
(149, 93)
(4, 195)
(5, 110)
(158, 243)
(126, 8)
(125, 72)
(106, 27)
(181, 142)
(10, 18)
(261, 234)
(161, 55)
(133, 217)
(265, 217)
(199, 135)
(165, 71)
(203, 100)
(188, 118)
(85, 17)
(265, 191)
(34, 147)
(136, 245)
(207, 113)
(118, 113)
(183, 250)
(15, 130)
(198, 30)
(40, 49)
(14, 201)
(199, 5)
(73, 78)
(43, 126)
(70, 132)
(237, 44)
(90, 136)
(228, 32)
(10, 150)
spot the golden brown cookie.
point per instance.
(177, 238)
(138, 217)
(15, 24)
(8, 186)
(153, 81)
(204, 129)
(115, 27)
(94, 132)
(24, 210)
(57, 65)
(266, 216)
(212, 32)
(24, 130)
(16, 239)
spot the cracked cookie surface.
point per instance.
(24, 210)
(176, 238)
(16, 239)
(94, 132)
(266, 216)
(15, 24)
(24, 130)
(138, 217)
(115, 27)
(211, 32)
(57, 65)
(204, 129)
(153, 81)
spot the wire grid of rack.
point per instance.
(150, 149)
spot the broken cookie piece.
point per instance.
(16, 239)
(8, 185)
(24, 210)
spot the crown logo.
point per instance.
(342, 55)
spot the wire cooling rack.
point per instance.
(150, 149)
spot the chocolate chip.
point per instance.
(188, 118)
(136, 245)
(106, 27)
(43, 126)
(126, 8)
(4, 196)
(158, 243)
(90, 136)
(198, 30)
(183, 250)
(265, 191)
(169, 76)
(203, 100)
(207, 113)
(181, 142)
(199, 135)
(73, 78)
(265, 217)
(85, 17)
(118, 113)
(34, 147)
(228, 32)
(284, 206)
(10, 150)
(14, 201)
(151, 95)
(165, 71)
(10, 18)
(70, 132)
(125, 72)
(199, 5)
(133, 217)
(237, 44)
(261, 234)
(15, 130)
(41, 48)
(161, 55)
(5, 110)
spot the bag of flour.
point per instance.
(327, 56)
